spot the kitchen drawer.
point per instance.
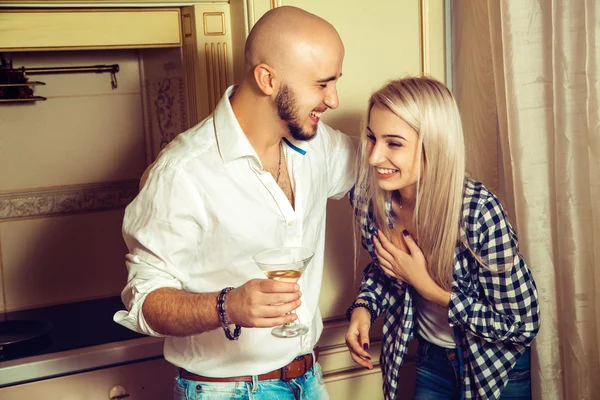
(147, 380)
(70, 29)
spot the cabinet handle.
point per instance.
(117, 393)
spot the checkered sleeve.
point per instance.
(505, 307)
(375, 287)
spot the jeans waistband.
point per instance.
(295, 369)
(434, 351)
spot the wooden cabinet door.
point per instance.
(148, 380)
(72, 29)
(207, 56)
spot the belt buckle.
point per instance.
(284, 370)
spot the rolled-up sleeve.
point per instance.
(162, 231)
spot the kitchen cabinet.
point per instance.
(102, 3)
(145, 380)
(72, 29)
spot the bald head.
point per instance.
(293, 62)
(285, 35)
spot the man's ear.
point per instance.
(264, 76)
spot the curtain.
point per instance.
(546, 69)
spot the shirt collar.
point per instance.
(231, 139)
(299, 146)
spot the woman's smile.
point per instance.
(385, 173)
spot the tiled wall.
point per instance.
(68, 165)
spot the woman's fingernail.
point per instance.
(366, 346)
(405, 232)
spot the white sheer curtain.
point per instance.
(546, 72)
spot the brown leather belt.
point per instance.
(295, 369)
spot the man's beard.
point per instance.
(285, 101)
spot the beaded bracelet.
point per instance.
(223, 318)
(359, 305)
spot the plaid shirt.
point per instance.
(494, 314)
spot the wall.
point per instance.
(85, 136)
(473, 87)
(383, 41)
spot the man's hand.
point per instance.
(357, 337)
(263, 303)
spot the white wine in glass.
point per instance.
(285, 264)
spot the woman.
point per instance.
(445, 266)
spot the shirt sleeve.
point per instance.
(161, 232)
(341, 162)
(505, 308)
(376, 287)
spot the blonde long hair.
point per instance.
(428, 106)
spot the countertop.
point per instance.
(84, 337)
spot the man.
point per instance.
(254, 175)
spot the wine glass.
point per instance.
(285, 264)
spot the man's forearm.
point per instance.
(174, 312)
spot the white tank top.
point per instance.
(432, 323)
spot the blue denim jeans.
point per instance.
(438, 375)
(309, 386)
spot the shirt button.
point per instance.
(290, 223)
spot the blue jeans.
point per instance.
(309, 386)
(438, 375)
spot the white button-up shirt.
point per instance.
(205, 207)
